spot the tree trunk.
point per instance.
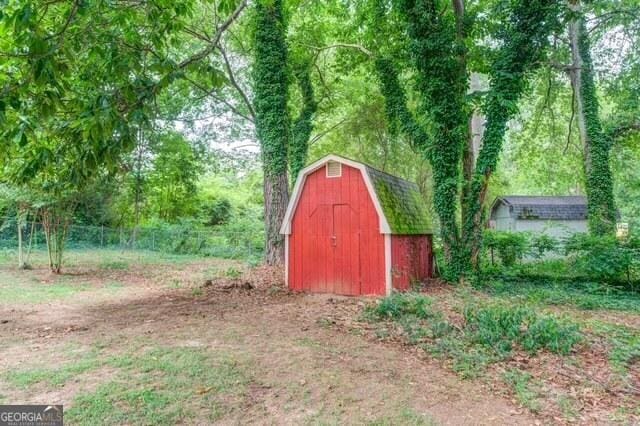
(303, 125)
(140, 150)
(470, 155)
(276, 198)
(599, 180)
(20, 255)
(55, 223)
(27, 255)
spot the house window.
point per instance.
(334, 169)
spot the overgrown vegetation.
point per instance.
(133, 123)
(605, 260)
(522, 343)
(489, 332)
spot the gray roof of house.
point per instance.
(401, 203)
(545, 207)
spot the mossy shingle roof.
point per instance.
(401, 203)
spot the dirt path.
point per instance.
(307, 364)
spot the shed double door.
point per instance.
(333, 263)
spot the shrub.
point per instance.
(604, 258)
(509, 246)
(217, 212)
(541, 244)
(495, 326)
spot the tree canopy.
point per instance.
(153, 109)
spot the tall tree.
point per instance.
(596, 144)
(271, 93)
(440, 34)
(303, 124)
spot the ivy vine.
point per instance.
(303, 124)
(437, 44)
(271, 83)
(524, 38)
(599, 181)
(442, 84)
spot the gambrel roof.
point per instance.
(397, 201)
(544, 207)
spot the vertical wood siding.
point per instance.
(411, 260)
(335, 245)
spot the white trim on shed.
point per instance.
(385, 229)
(285, 228)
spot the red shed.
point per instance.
(351, 229)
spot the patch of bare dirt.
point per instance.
(310, 361)
(314, 360)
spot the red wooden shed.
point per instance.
(354, 230)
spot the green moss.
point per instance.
(401, 204)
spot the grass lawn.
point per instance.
(148, 338)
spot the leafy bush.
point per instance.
(604, 258)
(495, 326)
(541, 244)
(414, 313)
(509, 246)
(217, 212)
(546, 332)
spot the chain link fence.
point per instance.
(170, 239)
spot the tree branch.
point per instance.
(573, 114)
(72, 14)
(211, 93)
(215, 39)
(234, 82)
(322, 134)
(622, 129)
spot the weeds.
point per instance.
(567, 407)
(114, 265)
(53, 376)
(502, 327)
(413, 312)
(624, 345)
(232, 273)
(400, 305)
(489, 334)
(524, 389)
(36, 292)
(406, 416)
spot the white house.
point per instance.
(556, 216)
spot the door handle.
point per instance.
(334, 240)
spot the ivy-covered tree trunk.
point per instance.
(438, 47)
(303, 125)
(442, 82)
(271, 83)
(525, 37)
(599, 180)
